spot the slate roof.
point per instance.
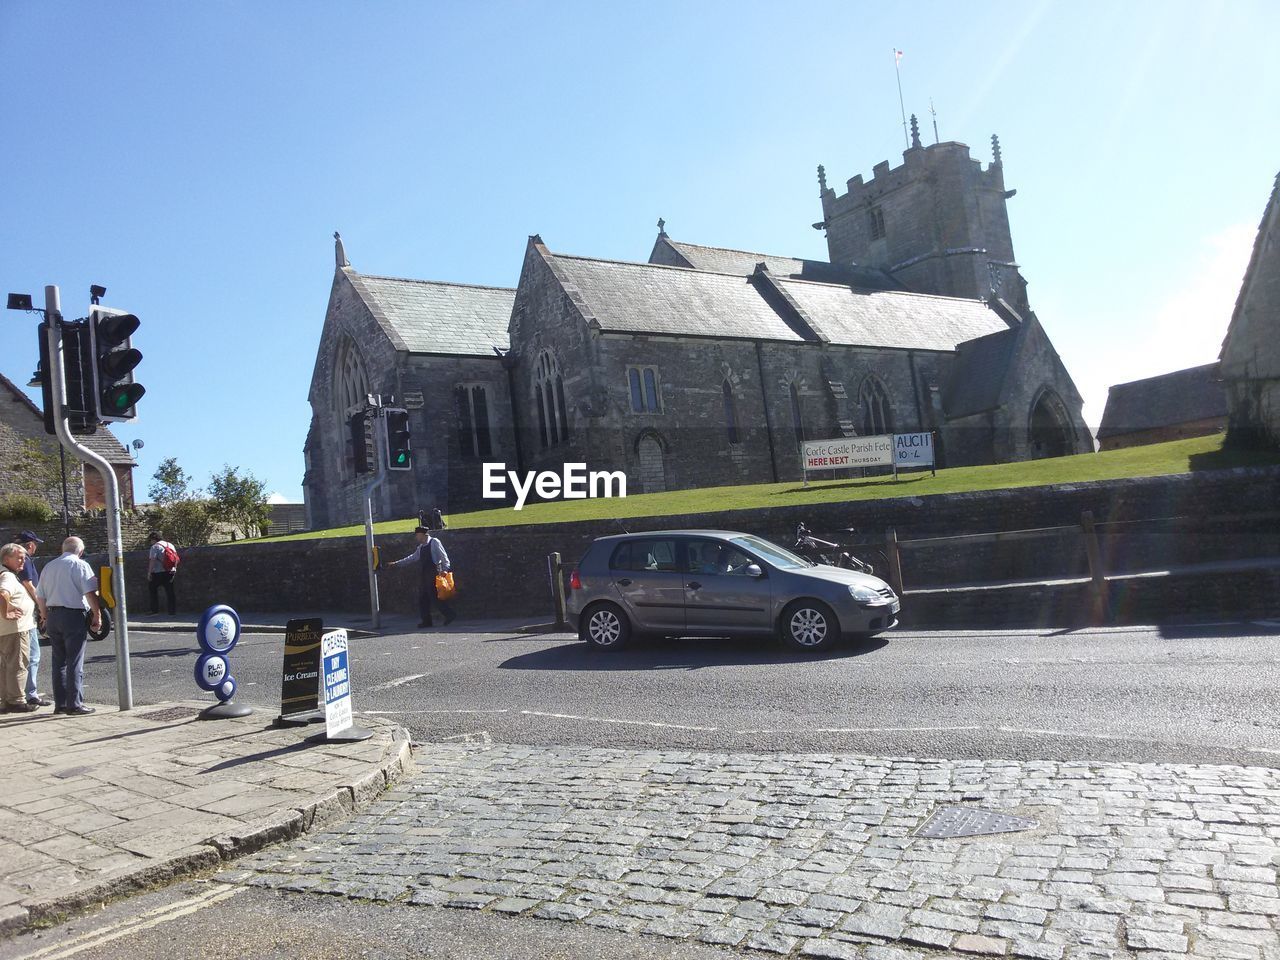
(1171, 398)
(428, 316)
(104, 442)
(743, 262)
(630, 297)
(978, 377)
(891, 318)
(647, 298)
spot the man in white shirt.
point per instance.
(67, 589)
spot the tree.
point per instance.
(170, 483)
(239, 501)
(188, 523)
(38, 472)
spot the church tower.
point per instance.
(938, 223)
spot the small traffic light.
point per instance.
(114, 359)
(78, 378)
(44, 379)
(360, 458)
(396, 424)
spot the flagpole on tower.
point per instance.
(897, 59)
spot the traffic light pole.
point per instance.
(115, 543)
(381, 475)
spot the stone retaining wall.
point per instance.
(502, 571)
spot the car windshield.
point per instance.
(776, 555)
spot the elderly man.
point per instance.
(30, 578)
(16, 620)
(66, 590)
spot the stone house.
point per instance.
(1250, 360)
(21, 421)
(1184, 403)
(704, 366)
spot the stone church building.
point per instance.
(704, 366)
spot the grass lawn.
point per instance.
(1178, 456)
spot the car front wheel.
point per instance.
(809, 625)
(604, 627)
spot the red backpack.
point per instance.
(170, 559)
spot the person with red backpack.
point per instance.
(162, 565)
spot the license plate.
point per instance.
(895, 606)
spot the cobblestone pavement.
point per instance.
(814, 855)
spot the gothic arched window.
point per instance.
(548, 394)
(877, 415)
(797, 419)
(730, 412)
(350, 383)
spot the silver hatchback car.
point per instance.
(716, 583)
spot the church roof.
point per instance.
(428, 316)
(891, 318)
(645, 298)
(743, 263)
(1182, 396)
(649, 298)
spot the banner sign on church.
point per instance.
(846, 453)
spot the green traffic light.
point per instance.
(401, 457)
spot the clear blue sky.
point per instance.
(195, 158)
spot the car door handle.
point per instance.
(694, 585)
(624, 582)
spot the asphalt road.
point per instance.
(207, 920)
(1207, 694)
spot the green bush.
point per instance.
(24, 507)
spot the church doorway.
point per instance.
(653, 474)
(1050, 433)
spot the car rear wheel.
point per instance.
(808, 625)
(604, 627)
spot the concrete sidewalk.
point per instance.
(93, 807)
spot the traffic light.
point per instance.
(78, 378)
(114, 359)
(360, 459)
(81, 417)
(45, 380)
(396, 424)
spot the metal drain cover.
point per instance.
(170, 713)
(948, 822)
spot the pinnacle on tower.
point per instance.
(995, 151)
(915, 133)
(822, 179)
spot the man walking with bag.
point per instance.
(431, 559)
(162, 566)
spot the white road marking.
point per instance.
(630, 723)
(396, 713)
(133, 925)
(1263, 750)
(862, 730)
(398, 682)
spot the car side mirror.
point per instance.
(753, 570)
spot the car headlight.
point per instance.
(864, 594)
